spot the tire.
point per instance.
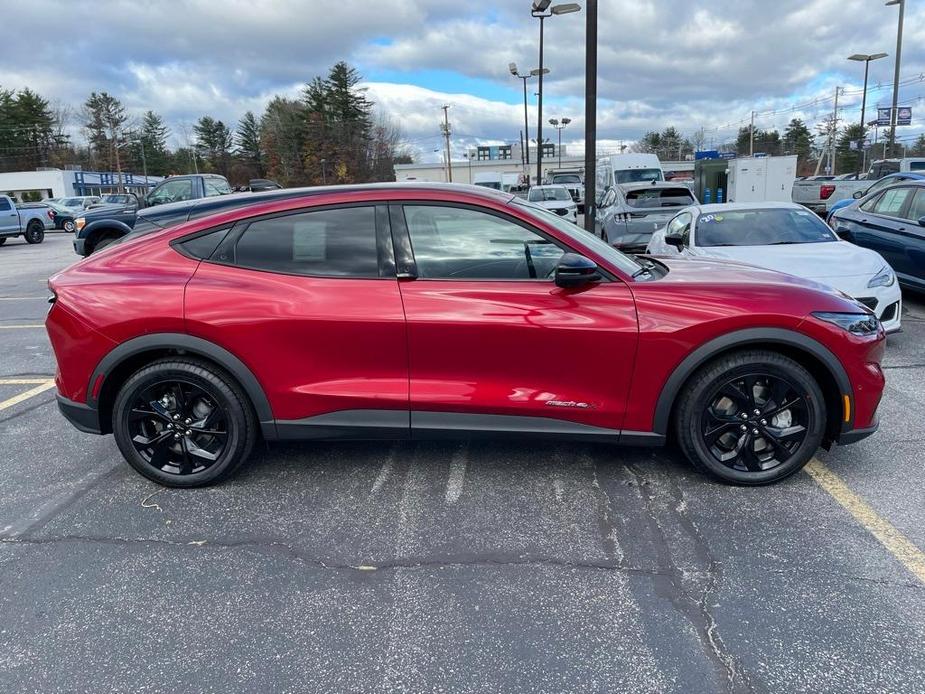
(183, 423)
(754, 449)
(35, 233)
(2, 240)
(103, 242)
(69, 226)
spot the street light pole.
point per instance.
(590, 114)
(513, 68)
(866, 59)
(559, 126)
(899, 52)
(541, 10)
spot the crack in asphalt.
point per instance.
(693, 605)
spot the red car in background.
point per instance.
(407, 311)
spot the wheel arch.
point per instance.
(96, 230)
(809, 353)
(132, 355)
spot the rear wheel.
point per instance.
(35, 232)
(103, 242)
(751, 418)
(69, 226)
(183, 423)
(2, 240)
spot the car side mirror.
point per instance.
(675, 240)
(858, 194)
(575, 270)
(922, 221)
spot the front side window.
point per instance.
(322, 243)
(917, 208)
(461, 243)
(173, 191)
(891, 202)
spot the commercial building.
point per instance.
(62, 183)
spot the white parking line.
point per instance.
(454, 485)
(23, 298)
(21, 327)
(32, 392)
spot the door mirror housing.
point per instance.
(858, 194)
(675, 240)
(922, 221)
(575, 270)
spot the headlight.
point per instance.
(863, 324)
(80, 223)
(884, 278)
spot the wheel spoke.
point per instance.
(746, 451)
(732, 391)
(195, 450)
(711, 435)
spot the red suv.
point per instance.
(402, 311)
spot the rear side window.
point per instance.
(324, 243)
(202, 247)
(216, 186)
(660, 197)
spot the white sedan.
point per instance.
(786, 237)
(555, 198)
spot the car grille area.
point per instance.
(869, 301)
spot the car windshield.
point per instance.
(659, 197)
(637, 175)
(72, 202)
(566, 178)
(115, 199)
(547, 194)
(495, 185)
(761, 227)
(582, 237)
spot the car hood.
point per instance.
(104, 211)
(822, 262)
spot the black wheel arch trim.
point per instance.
(103, 226)
(192, 345)
(749, 337)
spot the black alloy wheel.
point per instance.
(35, 233)
(183, 423)
(751, 418)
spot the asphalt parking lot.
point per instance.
(454, 567)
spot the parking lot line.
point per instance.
(894, 541)
(32, 392)
(23, 381)
(21, 327)
(22, 298)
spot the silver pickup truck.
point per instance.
(28, 221)
(819, 193)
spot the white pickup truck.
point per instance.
(819, 194)
(29, 221)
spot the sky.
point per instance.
(688, 63)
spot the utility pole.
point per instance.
(446, 134)
(899, 51)
(590, 113)
(751, 137)
(539, 120)
(834, 130)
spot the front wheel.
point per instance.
(183, 423)
(751, 418)
(35, 233)
(69, 226)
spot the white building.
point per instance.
(58, 183)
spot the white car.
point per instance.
(555, 198)
(786, 237)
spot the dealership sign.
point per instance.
(903, 115)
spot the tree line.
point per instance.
(797, 139)
(331, 133)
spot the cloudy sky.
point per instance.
(689, 63)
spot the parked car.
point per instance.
(63, 217)
(98, 228)
(120, 199)
(823, 197)
(888, 180)
(29, 220)
(574, 180)
(786, 237)
(630, 213)
(555, 198)
(892, 222)
(399, 311)
(76, 203)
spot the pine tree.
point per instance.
(248, 146)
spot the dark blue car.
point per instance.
(890, 221)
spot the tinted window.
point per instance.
(459, 243)
(892, 201)
(761, 228)
(5, 204)
(327, 243)
(173, 191)
(917, 166)
(546, 194)
(883, 183)
(566, 178)
(638, 175)
(660, 197)
(203, 246)
(917, 209)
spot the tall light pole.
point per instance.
(899, 53)
(864, 58)
(559, 125)
(513, 68)
(590, 114)
(541, 10)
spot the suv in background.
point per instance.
(573, 180)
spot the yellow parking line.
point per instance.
(20, 327)
(22, 397)
(22, 381)
(894, 541)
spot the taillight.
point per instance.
(825, 192)
(51, 215)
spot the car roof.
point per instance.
(714, 208)
(651, 184)
(205, 206)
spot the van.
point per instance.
(618, 169)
